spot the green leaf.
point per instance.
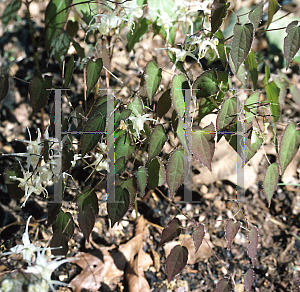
(67, 158)
(179, 85)
(136, 106)
(116, 211)
(156, 173)
(160, 5)
(272, 9)
(93, 73)
(86, 220)
(86, 198)
(241, 44)
(256, 14)
(60, 45)
(55, 18)
(179, 64)
(69, 72)
(78, 48)
(4, 86)
(157, 141)
(250, 106)
(37, 90)
(163, 32)
(72, 28)
(85, 8)
(218, 13)
(120, 165)
(252, 68)
(291, 42)
(94, 125)
(271, 181)
(65, 223)
(130, 184)
(206, 84)
(204, 145)
(227, 114)
(123, 147)
(140, 27)
(12, 185)
(289, 145)
(272, 94)
(267, 73)
(175, 171)
(220, 47)
(172, 230)
(10, 11)
(152, 79)
(176, 261)
(164, 103)
(281, 84)
(181, 134)
(295, 91)
(142, 179)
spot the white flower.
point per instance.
(27, 249)
(132, 10)
(7, 285)
(77, 157)
(30, 183)
(138, 122)
(99, 163)
(38, 286)
(44, 268)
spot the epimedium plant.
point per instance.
(140, 135)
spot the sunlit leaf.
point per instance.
(272, 94)
(289, 145)
(176, 261)
(272, 9)
(253, 242)
(231, 230)
(142, 179)
(204, 145)
(179, 85)
(124, 147)
(270, 181)
(152, 79)
(252, 67)
(248, 279)
(4, 86)
(198, 236)
(206, 84)
(93, 73)
(241, 44)
(139, 28)
(223, 286)
(256, 14)
(156, 173)
(291, 42)
(136, 106)
(175, 171)
(86, 198)
(254, 148)
(218, 13)
(117, 210)
(157, 141)
(172, 230)
(228, 114)
(295, 91)
(55, 18)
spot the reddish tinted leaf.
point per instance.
(218, 12)
(248, 279)
(175, 171)
(172, 231)
(117, 210)
(289, 145)
(86, 220)
(241, 44)
(231, 229)
(252, 246)
(270, 181)
(176, 261)
(198, 236)
(204, 145)
(223, 286)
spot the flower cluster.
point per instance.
(38, 264)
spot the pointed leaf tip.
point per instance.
(172, 231)
(176, 261)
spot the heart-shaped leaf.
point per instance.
(93, 73)
(198, 236)
(231, 230)
(270, 181)
(172, 231)
(291, 42)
